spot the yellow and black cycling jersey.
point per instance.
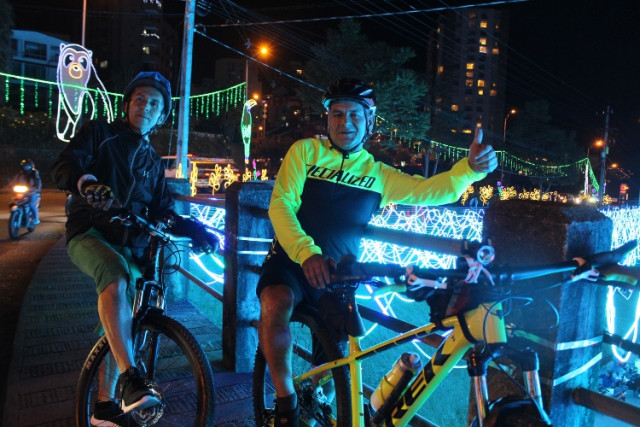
(323, 199)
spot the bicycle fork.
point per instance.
(477, 363)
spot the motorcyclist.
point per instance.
(30, 177)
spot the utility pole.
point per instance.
(603, 155)
(182, 146)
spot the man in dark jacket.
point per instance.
(107, 165)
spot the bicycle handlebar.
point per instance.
(348, 270)
(130, 219)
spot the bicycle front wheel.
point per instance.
(169, 356)
(324, 400)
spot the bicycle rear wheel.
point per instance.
(323, 401)
(170, 357)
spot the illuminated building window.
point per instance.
(299, 72)
(483, 41)
(455, 107)
(480, 92)
(493, 92)
(480, 83)
(482, 49)
(495, 51)
(146, 50)
(483, 24)
(469, 74)
(104, 63)
(440, 68)
(470, 65)
(469, 82)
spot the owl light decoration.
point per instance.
(74, 72)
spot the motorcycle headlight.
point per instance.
(20, 188)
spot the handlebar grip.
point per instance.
(612, 257)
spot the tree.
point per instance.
(536, 141)
(6, 22)
(401, 93)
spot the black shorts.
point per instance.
(279, 269)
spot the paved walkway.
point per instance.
(55, 334)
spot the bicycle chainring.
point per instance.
(149, 416)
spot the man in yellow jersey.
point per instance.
(325, 194)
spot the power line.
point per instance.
(369, 15)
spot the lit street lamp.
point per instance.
(598, 143)
(504, 132)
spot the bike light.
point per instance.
(20, 188)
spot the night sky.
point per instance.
(580, 55)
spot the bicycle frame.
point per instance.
(150, 286)
(433, 374)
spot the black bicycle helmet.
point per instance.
(153, 79)
(350, 89)
(27, 164)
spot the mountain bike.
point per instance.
(467, 309)
(165, 351)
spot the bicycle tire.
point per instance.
(304, 323)
(15, 221)
(182, 373)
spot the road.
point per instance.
(18, 261)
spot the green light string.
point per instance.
(50, 94)
(21, 97)
(35, 91)
(210, 103)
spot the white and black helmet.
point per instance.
(353, 90)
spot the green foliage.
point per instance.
(401, 93)
(535, 138)
(6, 22)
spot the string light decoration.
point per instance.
(246, 122)
(465, 196)
(456, 224)
(75, 70)
(486, 193)
(625, 228)
(216, 103)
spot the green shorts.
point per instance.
(101, 260)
